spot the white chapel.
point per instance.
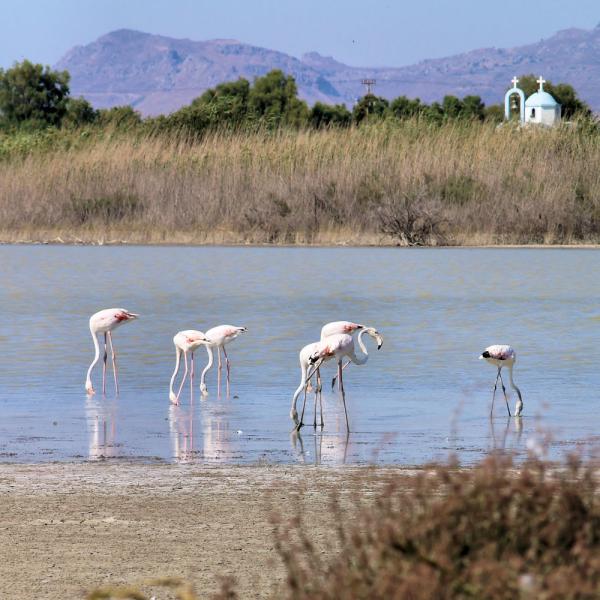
(540, 108)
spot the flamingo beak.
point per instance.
(481, 357)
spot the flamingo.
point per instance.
(334, 328)
(217, 338)
(304, 356)
(502, 355)
(106, 321)
(338, 346)
(185, 341)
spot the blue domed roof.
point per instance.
(541, 99)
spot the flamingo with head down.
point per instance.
(338, 347)
(503, 355)
(218, 337)
(185, 341)
(332, 328)
(106, 321)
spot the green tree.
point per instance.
(273, 100)
(227, 103)
(33, 95)
(326, 115)
(121, 117)
(473, 108)
(406, 108)
(192, 119)
(452, 107)
(79, 112)
(434, 112)
(494, 113)
(370, 107)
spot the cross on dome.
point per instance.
(541, 82)
(514, 81)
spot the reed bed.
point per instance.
(405, 183)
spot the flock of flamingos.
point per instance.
(336, 343)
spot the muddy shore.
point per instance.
(69, 528)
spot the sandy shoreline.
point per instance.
(352, 243)
(67, 528)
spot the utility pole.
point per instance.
(369, 83)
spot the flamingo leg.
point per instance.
(316, 401)
(220, 366)
(104, 367)
(301, 422)
(192, 378)
(335, 377)
(228, 368)
(114, 362)
(308, 380)
(494, 394)
(185, 372)
(504, 390)
(340, 371)
(321, 405)
(320, 390)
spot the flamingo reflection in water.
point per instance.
(218, 441)
(101, 422)
(500, 444)
(325, 449)
(181, 431)
(207, 420)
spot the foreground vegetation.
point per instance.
(497, 531)
(391, 182)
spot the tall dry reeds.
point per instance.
(405, 183)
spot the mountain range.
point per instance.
(157, 74)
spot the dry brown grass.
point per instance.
(408, 183)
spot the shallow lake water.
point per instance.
(424, 395)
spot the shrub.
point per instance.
(411, 219)
(494, 531)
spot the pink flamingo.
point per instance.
(334, 328)
(185, 341)
(106, 321)
(217, 338)
(304, 356)
(338, 346)
(502, 355)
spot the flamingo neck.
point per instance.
(365, 357)
(177, 360)
(513, 384)
(88, 381)
(303, 368)
(207, 367)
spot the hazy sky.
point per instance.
(357, 32)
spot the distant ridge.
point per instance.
(158, 74)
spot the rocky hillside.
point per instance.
(158, 74)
